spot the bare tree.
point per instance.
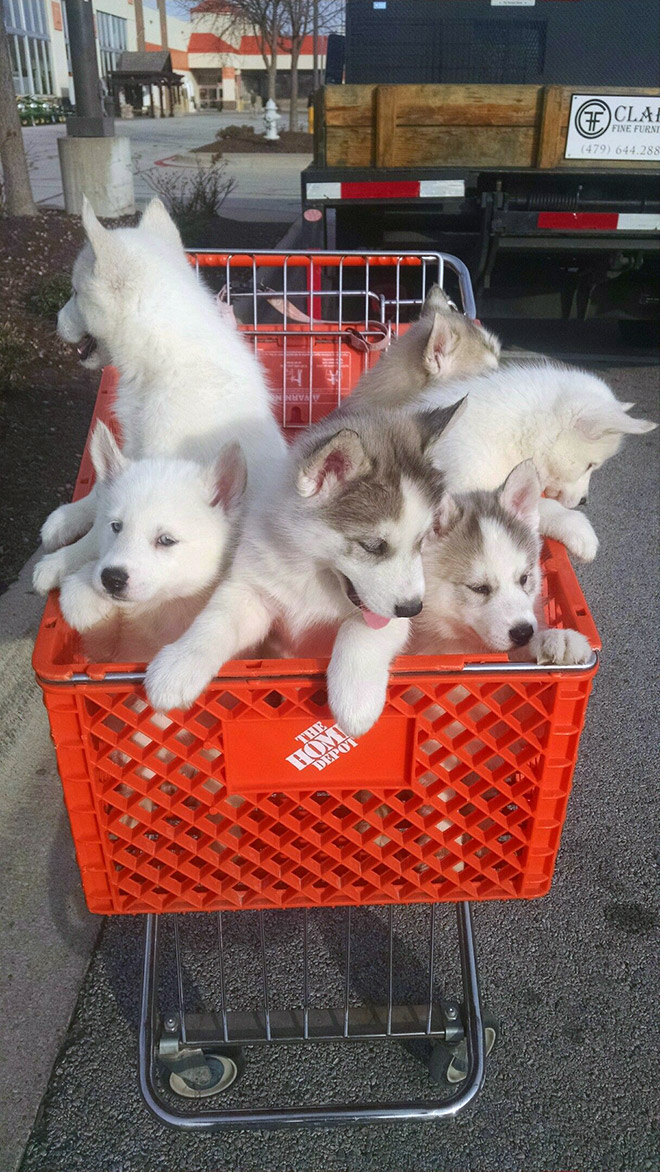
(263, 16)
(297, 17)
(16, 181)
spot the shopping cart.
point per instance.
(458, 794)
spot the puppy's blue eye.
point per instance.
(164, 540)
(377, 548)
(116, 526)
(523, 579)
(484, 589)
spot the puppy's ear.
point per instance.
(98, 236)
(337, 461)
(107, 458)
(433, 423)
(521, 492)
(443, 340)
(156, 219)
(611, 421)
(437, 301)
(447, 515)
(228, 474)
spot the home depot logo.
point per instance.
(321, 746)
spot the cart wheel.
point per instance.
(226, 1067)
(448, 1064)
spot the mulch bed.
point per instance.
(243, 140)
(46, 401)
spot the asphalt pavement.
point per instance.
(573, 978)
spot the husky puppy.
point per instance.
(566, 420)
(441, 345)
(483, 578)
(339, 542)
(188, 382)
(164, 526)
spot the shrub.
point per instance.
(192, 195)
(12, 355)
(50, 294)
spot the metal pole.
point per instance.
(315, 42)
(90, 120)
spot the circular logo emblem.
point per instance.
(593, 118)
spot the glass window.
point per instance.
(112, 39)
(29, 46)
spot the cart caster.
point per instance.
(448, 1061)
(200, 1075)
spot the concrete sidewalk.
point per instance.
(267, 187)
(46, 933)
(573, 1083)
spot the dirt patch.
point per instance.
(46, 397)
(243, 140)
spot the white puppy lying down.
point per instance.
(566, 420)
(165, 530)
(483, 579)
(339, 542)
(188, 381)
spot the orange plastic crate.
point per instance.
(254, 798)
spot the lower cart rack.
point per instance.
(189, 1055)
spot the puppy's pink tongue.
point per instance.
(375, 621)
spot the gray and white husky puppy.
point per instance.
(443, 344)
(483, 578)
(338, 543)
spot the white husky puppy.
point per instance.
(483, 578)
(441, 345)
(164, 527)
(188, 382)
(339, 542)
(566, 420)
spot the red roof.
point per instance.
(208, 43)
(252, 45)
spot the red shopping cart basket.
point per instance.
(254, 798)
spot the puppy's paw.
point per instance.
(358, 712)
(62, 527)
(177, 676)
(49, 572)
(578, 535)
(82, 607)
(560, 647)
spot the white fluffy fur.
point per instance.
(489, 541)
(566, 420)
(287, 572)
(188, 385)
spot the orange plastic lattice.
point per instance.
(469, 805)
(254, 798)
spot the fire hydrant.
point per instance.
(271, 119)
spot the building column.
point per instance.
(228, 87)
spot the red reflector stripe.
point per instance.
(399, 189)
(576, 220)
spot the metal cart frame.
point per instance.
(179, 1040)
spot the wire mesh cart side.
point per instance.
(197, 1049)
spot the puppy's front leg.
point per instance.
(573, 529)
(82, 606)
(233, 620)
(69, 522)
(359, 670)
(51, 570)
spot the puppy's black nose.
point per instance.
(114, 579)
(406, 610)
(521, 634)
(583, 501)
